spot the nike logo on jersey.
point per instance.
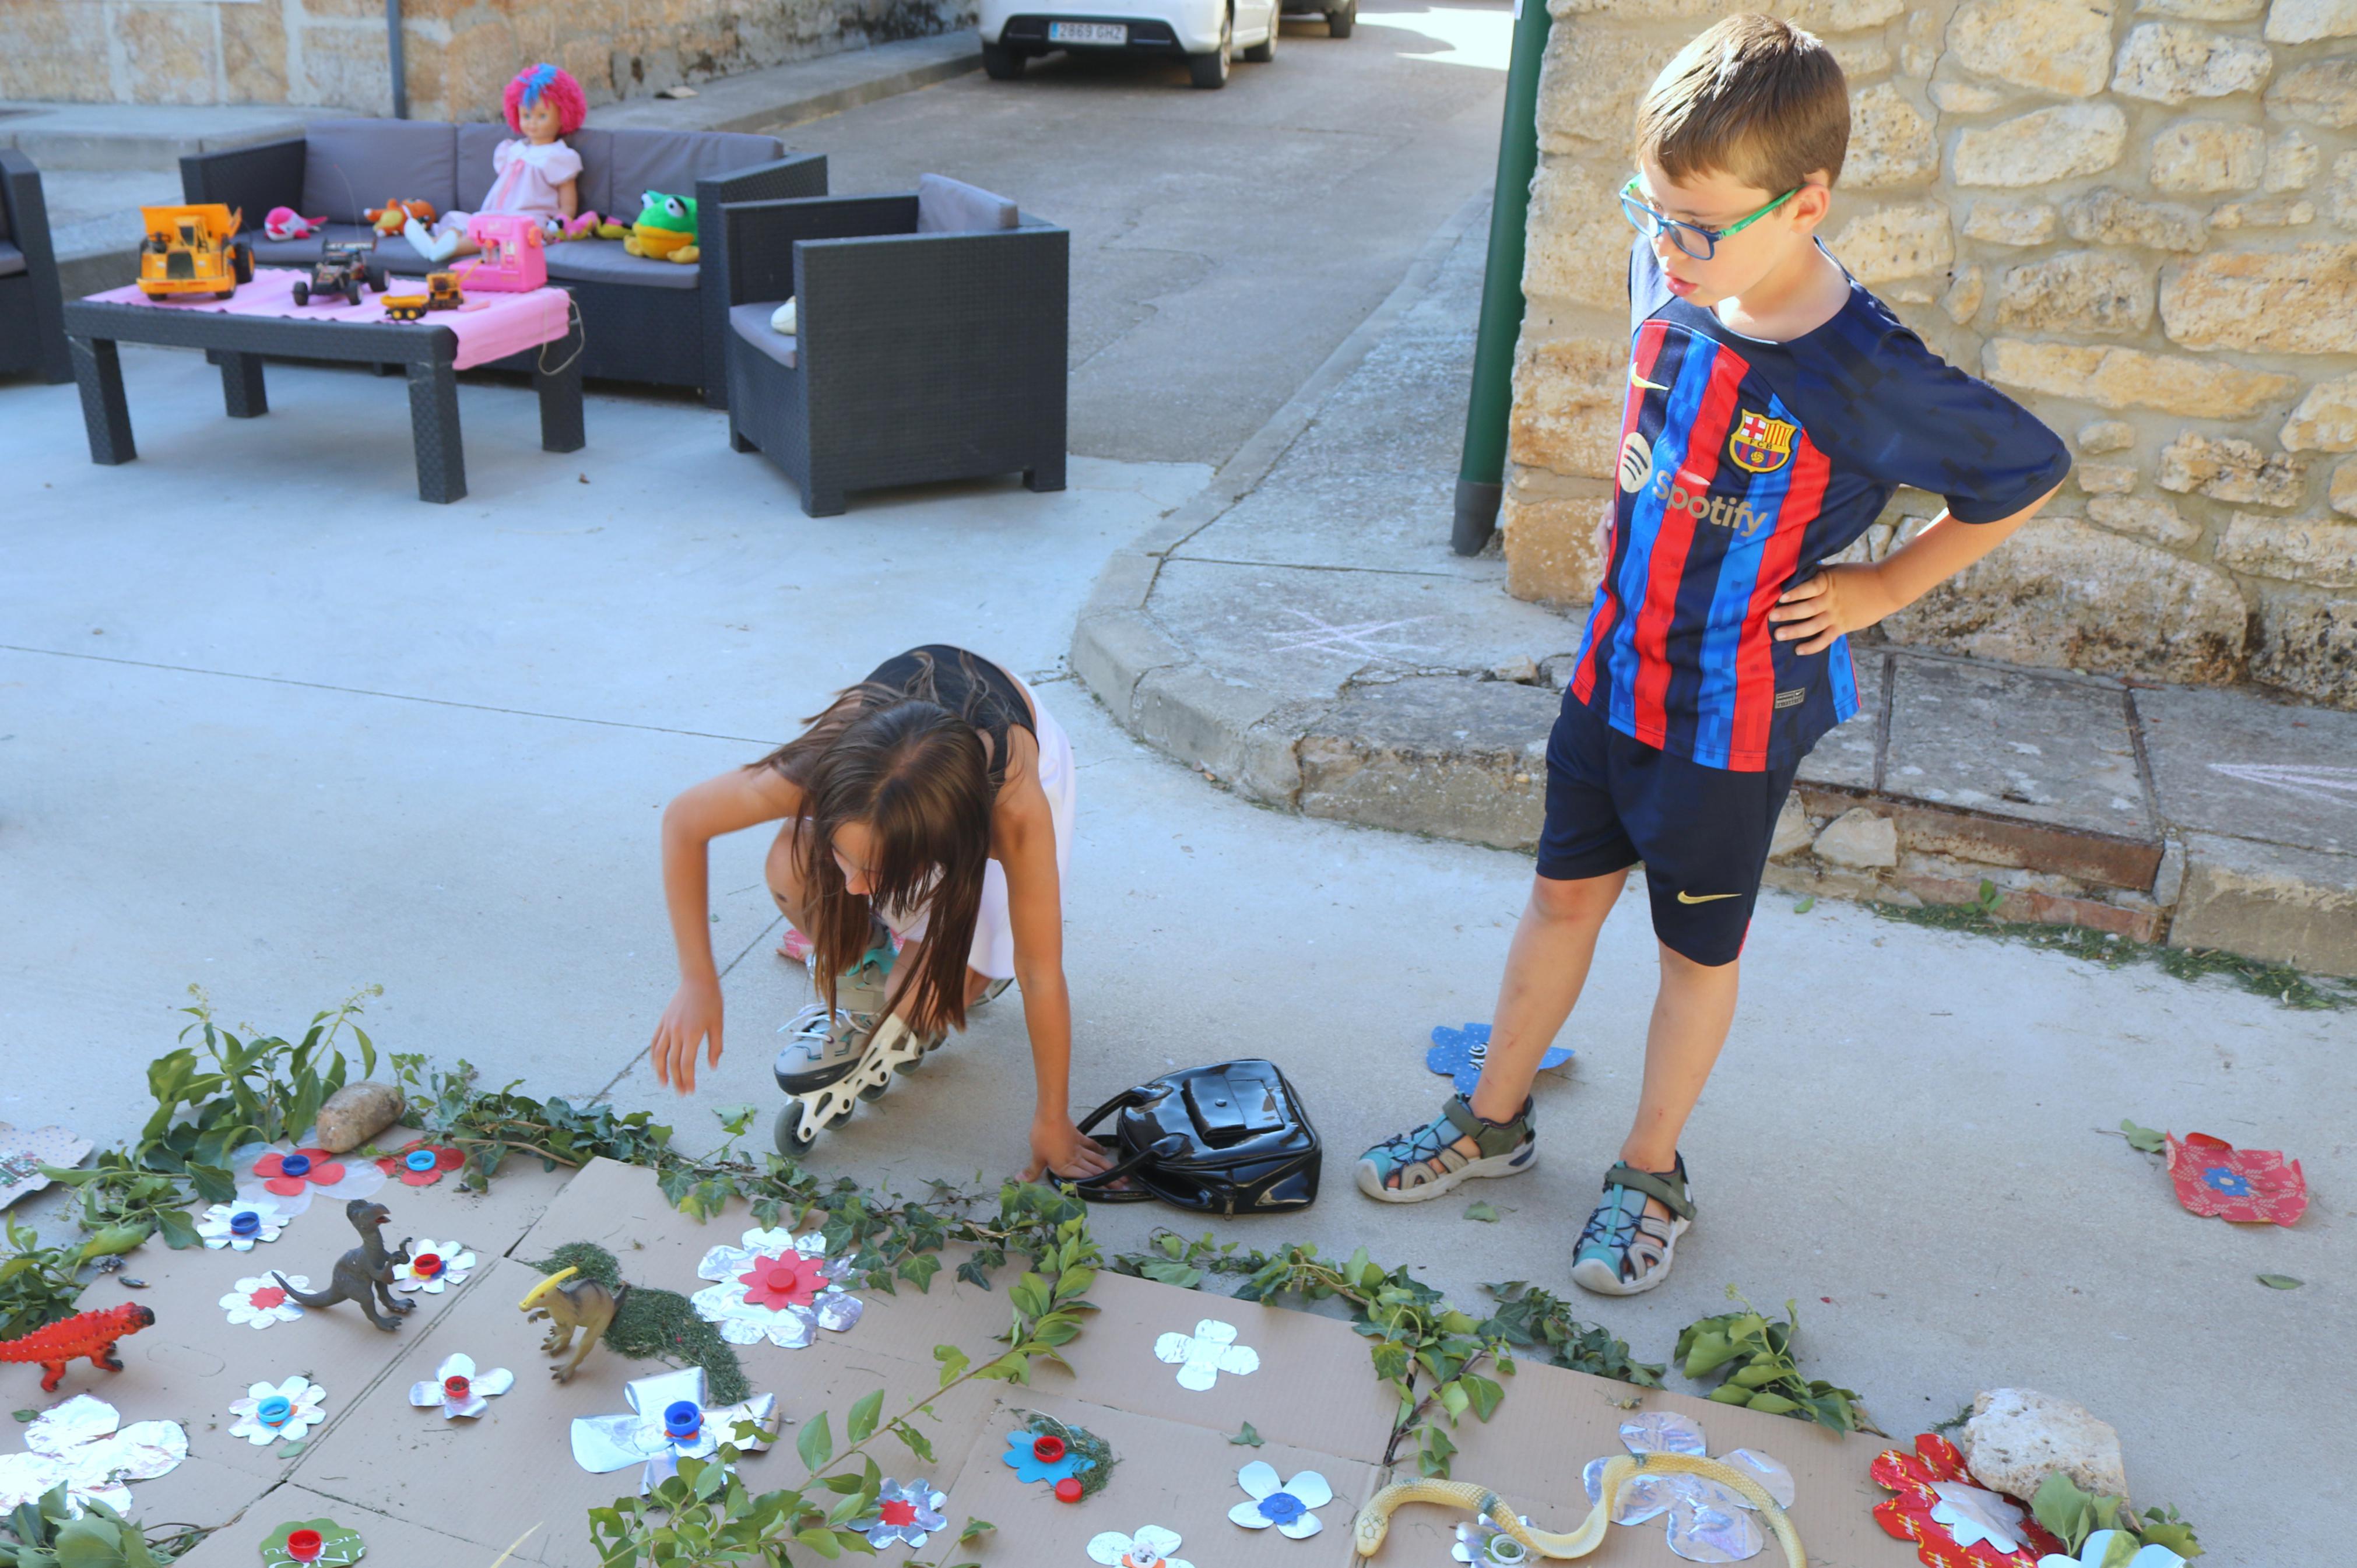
(1685, 897)
(1637, 380)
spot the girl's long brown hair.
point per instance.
(914, 773)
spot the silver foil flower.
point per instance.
(777, 1287)
(905, 1511)
(668, 1420)
(79, 1443)
(1708, 1520)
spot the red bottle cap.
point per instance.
(1047, 1450)
(1068, 1490)
(456, 1387)
(304, 1545)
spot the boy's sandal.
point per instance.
(1623, 1249)
(1425, 1162)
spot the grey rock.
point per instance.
(1793, 831)
(1859, 840)
(355, 1114)
(2017, 1437)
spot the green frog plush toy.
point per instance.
(666, 228)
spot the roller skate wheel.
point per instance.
(788, 1132)
(873, 1091)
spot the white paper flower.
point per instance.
(2097, 1552)
(669, 1421)
(1484, 1544)
(292, 1177)
(1285, 1505)
(1210, 1350)
(777, 1287)
(272, 1411)
(241, 1224)
(1973, 1515)
(1150, 1548)
(433, 1266)
(1708, 1520)
(906, 1512)
(77, 1443)
(458, 1390)
(262, 1301)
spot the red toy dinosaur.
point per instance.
(91, 1334)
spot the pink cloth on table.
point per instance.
(488, 327)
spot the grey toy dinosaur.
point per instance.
(364, 1271)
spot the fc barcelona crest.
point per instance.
(1762, 445)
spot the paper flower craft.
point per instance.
(776, 1287)
(668, 1420)
(1484, 1544)
(1457, 1055)
(1150, 1548)
(1042, 1457)
(81, 1443)
(1708, 1521)
(312, 1543)
(291, 1177)
(1285, 1505)
(420, 1163)
(241, 1224)
(433, 1266)
(262, 1301)
(906, 1513)
(1210, 1350)
(2214, 1178)
(458, 1390)
(272, 1411)
(1935, 1506)
(2114, 1549)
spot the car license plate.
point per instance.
(1087, 33)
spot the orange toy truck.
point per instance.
(193, 251)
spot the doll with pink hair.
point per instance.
(535, 174)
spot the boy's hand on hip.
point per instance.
(1837, 601)
(1060, 1150)
(692, 1016)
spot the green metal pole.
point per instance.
(1480, 479)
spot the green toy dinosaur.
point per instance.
(666, 228)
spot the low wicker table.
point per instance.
(264, 320)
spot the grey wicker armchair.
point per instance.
(32, 312)
(931, 341)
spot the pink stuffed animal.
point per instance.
(285, 223)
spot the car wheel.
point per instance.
(1338, 23)
(1211, 70)
(302, 292)
(1001, 63)
(1264, 52)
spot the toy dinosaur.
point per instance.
(366, 1269)
(583, 1305)
(666, 228)
(91, 1334)
(395, 214)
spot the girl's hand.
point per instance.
(1837, 601)
(693, 1013)
(1061, 1151)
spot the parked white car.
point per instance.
(1209, 33)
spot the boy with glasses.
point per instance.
(1773, 407)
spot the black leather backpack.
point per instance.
(1228, 1139)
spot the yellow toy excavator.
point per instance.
(193, 251)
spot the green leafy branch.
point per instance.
(50, 1535)
(2074, 1515)
(1755, 1356)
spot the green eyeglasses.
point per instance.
(1691, 238)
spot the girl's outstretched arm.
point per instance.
(1025, 841)
(740, 797)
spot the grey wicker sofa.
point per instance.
(32, 313)
(931, 342)
(642, 320)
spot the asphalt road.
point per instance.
(1223, 242)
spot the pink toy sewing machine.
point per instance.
(514, 257)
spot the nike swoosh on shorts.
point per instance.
(1685, 897)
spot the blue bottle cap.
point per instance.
(683, 1421)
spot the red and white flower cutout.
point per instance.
(270, 1412)
(433, 1266)
(289, 1177)
(776, 1287)
(2212, 1177)
(1150, 1548)
(1953, 1522)
(241, 1224)
(262, 1301)
(422, 1164)
(458, 1391)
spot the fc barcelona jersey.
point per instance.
(1743, 465)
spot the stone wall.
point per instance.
(2138, 216)
(459, 53)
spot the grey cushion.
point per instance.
(672, 161)
(394, 254)
(12, 260)
(752, 324)
(477, 143)
(946, 206)
(605, 261)
(350, 165)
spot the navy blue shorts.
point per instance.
(1702, 833)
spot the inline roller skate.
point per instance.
(832, 1061)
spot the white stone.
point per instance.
(2321, 92)
(2342, 493)
(2302, 21)
(2326, 419)
(2042, 147)
(2202, 10)
(2208, 154)
(1963, 298)
(2105, 478)
(1792, 831)
(2017, 1437)
(1889, 143)
(2104, 217)
(2010, 223)
(1966, 97)
(2058, 46)
(2101, 435)
(1859, 840)
(2291, 162)
(2315, 551)
(2227, 469)
(1897, 242)
(2264, 212)
(2168, 62)
(2147, 517)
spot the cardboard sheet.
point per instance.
(393, 1542)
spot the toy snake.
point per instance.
(1375, 1520)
